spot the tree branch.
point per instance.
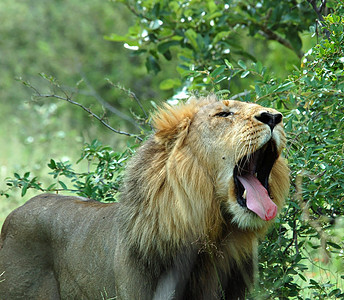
(315, 8)
(131, 95)
(271, 35)
(239, 95)
(318, 12)
(90, 112)
(68, 99)
(107, 105)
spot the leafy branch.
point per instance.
(101, 180)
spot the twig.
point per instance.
(69, 100)
(293, 241)
(104, 103)
(240, 95)
(320, 16)
(131, 94)
(141, 16)
(316, 9)
(90, 112)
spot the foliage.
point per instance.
(101, 181)
(207, 40)
(202, 34)
(64, 39)
(313, 98)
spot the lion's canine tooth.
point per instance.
(244, 194)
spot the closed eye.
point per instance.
(224, 114)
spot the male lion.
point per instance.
(196, 198)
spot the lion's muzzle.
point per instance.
(251, 177)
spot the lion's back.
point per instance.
(42, 247)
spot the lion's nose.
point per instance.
(270, 119)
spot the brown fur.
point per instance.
(178, 231)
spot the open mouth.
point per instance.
(251, 179)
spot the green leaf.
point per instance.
(191, 35)
(242, 64)
(334, 245)
(244, 74)
(63, 185)
(168, 55)
(258, 67)
(219, 70)
(221, 92)
(335, 292)
(52, 164)
(152, 65)
(284, 87)
(116, 38)
(154, 105)
(228, 64)
(258, 90)
(170, 84)
(220, 78)
(221, 36)
(24, 189)
(163, 47)
(302, 277)
(155, 24)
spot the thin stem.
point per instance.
(131, 94)
(69, 100)
(88, 111)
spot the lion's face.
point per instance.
(241, 144)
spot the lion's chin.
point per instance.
(245, 219)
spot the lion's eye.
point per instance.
(223, 114)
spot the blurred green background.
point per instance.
(63, 39)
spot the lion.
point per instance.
(196, 198)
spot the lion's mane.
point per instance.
(178, 231)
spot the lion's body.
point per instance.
(39, 256)
(178, 231)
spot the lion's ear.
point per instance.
(172, 122)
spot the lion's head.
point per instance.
(212, 162)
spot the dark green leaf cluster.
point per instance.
(313, 101)
(104, 175)
(101, 181)
(202, 34)
(24, 183)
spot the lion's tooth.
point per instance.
(244, 194)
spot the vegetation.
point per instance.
(284, 54)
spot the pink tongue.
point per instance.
(257, 197)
